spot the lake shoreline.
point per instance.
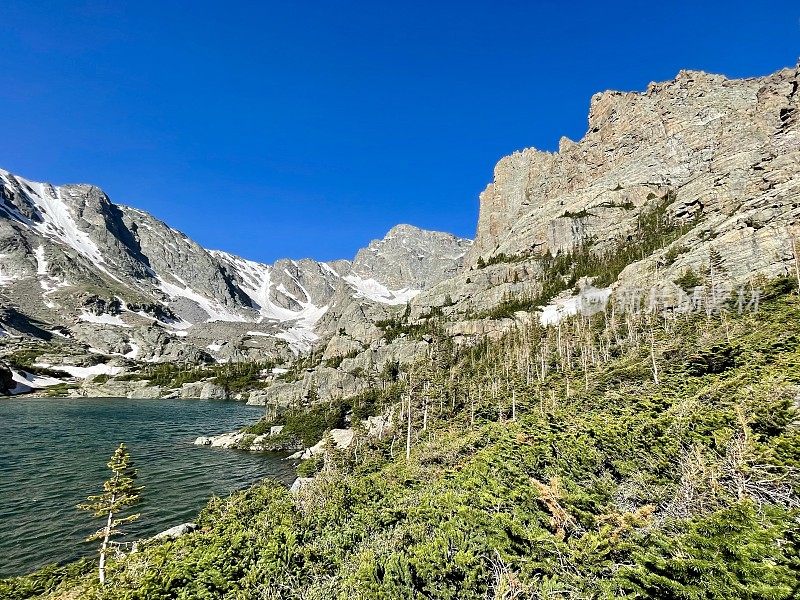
(49, 479)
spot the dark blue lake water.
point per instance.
(53, 453)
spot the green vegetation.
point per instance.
(674, 252)
(501, 258)
(562, 272)
(581, 214)
(24, 358)
(689, 280)
(336, 361)
(120, 492)
(46, 580)
(59, 391)
(305, 426)
(234, 376)
(611, 458)
(625, 204)
(428, 326)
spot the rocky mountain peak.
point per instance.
(118, 279)
(410, 257)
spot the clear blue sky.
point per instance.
(275, 129)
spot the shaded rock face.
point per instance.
(6, 379)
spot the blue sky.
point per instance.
(275, 129)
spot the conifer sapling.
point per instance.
(119, 494)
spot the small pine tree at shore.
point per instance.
(119, 494)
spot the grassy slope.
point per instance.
(606, 485)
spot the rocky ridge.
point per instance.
(95, 277)
(717, 160)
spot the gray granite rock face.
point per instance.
(725, 150)
(720, 155)
(409, 257)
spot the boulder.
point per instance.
(225, 440)
(173, 533)
(300, 483)
(213, 391)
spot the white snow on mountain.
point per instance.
(300, 338)
(72, 235)
(214, 310)
(257, 284)
(56, 221)
(589, 301)
(377, 292)
(102, 319)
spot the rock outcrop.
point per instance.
(722, 151)
(717, 158)
(409, 257)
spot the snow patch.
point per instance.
(41, 261)
(214, 310)
(257, 282)
(57, 222)
(300, 338)
(32, 381)
(589, 301)
(83, 372)
(102, 319)
(377, 292)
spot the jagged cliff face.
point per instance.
(726, 151)
(719, 158)
(75, 265)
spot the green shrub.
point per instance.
(608, 483)
(310, 466)
(717, 359)
(689, 280)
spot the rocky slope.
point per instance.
(726, 149)
(695, 177)
(718, 156)
(77, 268)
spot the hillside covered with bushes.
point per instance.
(618, 455)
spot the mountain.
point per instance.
(692, 181)
(73, 265)
(714, 158)
(602, 402)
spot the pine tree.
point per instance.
(119, 493)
